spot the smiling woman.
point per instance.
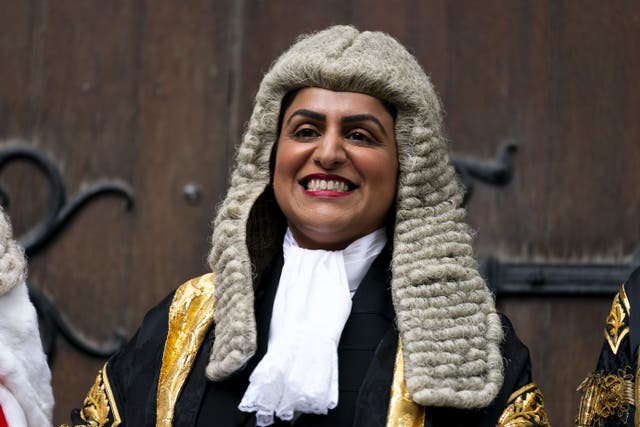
(346, 292)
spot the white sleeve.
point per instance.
(26, 378)
(12, 410)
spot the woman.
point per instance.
(346, 292)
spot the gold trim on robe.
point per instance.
(99, 405)
(605, 396)
(617, 327)
(625, 300)
(636, 397)
(403, 412)
(114, 407)
(636, 386)
(525, 408)
(190, 317)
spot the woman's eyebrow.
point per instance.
(348, 119)
(307, 113)
(363, 117)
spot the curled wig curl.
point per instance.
(13, 268)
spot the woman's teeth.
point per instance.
(321, 184)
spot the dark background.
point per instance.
(155, 94)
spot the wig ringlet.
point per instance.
(446, 315)
(13, 267)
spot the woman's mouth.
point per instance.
(320, 184)
(329, 183)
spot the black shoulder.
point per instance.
(631, 287)
(150, 335)
(139, 360)
(516, 365)
(517, 362)
(135, 365)
(635, 277)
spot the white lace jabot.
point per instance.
(299, 372)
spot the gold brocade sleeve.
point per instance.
(525, 408)
(190, 316)
(99, 408)
(605, 396)
(402, 412)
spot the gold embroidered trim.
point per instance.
(525, 408)
(625, 300)
(99, 403)
(403, 412)
(95, 410)
(114, 408)
(190, 316)
(605, 396)
(616, 328)
(636, 420)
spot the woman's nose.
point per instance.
(329, 153)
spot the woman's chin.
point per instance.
(326, 236)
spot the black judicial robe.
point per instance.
(610, 395)
(366, 356)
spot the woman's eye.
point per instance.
(305, 133)
(361, 137)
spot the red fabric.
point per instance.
(3, 420)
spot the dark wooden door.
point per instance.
(154, 95)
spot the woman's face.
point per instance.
(336, 167)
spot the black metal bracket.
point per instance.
(59, 215)
(497, 172)
(556, 279)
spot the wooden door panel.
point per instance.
(156, 95)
